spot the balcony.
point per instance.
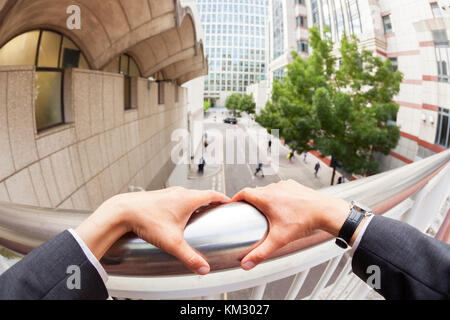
(417, 194)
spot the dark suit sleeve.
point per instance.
(412, 264)
(42, 274)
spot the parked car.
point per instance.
(230, 120)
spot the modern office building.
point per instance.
(413, 34)
(235, 43)
(86, 113)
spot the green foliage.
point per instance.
(247, 104)
(345, 112)
(206, 105)
(232, 102)
(238, 104)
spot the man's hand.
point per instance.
(293, 212)
(158, 217)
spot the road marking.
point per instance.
(223, 179)
(251, 172)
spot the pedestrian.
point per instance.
(206, 144)
(270, 146)
(305, 155)
(259, 169)
(341, 180)
(291, 156)
(317, 168)
(201, 165)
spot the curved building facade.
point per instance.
(87, 112)
(235, 43)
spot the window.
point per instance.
(354, 16)
(442, 49)
(436, 10)
(161, 92)
(300, 2)
(127, 66)
(440, 38)
(303, 46)
(278, 28)
(339, 18)
(50, 53)
(443, 128)
(315, 13)
(279, 74)
(326, 13)
(394, 62)
(387, 24)
(129, 69)
(302, 22)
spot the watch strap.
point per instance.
(348, 229)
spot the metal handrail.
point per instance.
(222, 234)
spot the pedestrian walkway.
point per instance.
(298, 169)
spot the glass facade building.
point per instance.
(235, 43)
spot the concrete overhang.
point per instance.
(159, 34)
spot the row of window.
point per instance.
(335, 13)
(51, 54)
(255, 7)
(237, 19)
(236, 54)
(234, 29)
(234, 76)
(236, 41)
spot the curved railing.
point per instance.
(223, 234)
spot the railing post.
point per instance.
(325, 277)
(296, 285)
(258, 292)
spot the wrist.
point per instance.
(104, 227)
(333, 217)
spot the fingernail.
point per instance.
(249, 265)
(203, 270)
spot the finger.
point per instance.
(261, 253)
(251, 196)
(246, 194)
(203, 198)
(189, 257)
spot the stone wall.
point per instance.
(101, 151)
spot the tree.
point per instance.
(345, 112)
(206, 105)
(247, 104)
(232, 102)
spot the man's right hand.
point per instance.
(294, 212)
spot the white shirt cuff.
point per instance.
(360, 235)
(92, 259)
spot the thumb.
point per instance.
(190, 258)
(261, 253)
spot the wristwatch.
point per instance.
(357, 213)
